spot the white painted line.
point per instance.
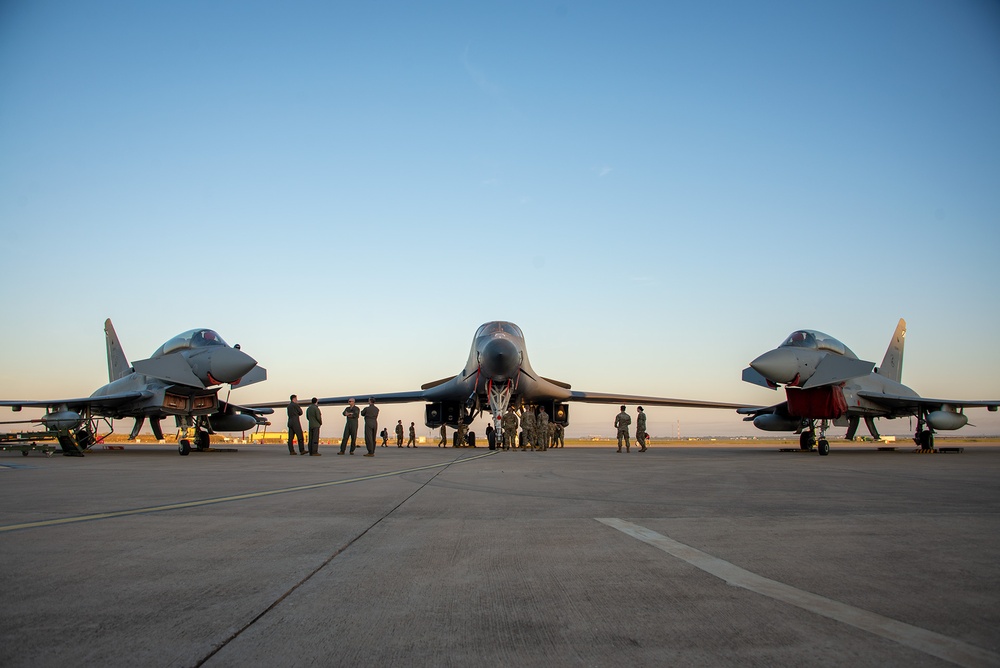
(929, 642)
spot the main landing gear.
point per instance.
(807, 439)
(924, 438)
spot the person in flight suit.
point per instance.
(295, 426)
(444, 437)
(622, 421)
(315, 419)
(413, 436)
(399, 433)
(352, 413)
(384, 435)
(370, 413)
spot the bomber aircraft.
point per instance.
(497, 375)
(182, 378)
(824, 380)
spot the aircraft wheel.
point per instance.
(202, 440)
(927, 439)
(824, 447)
(807, 440)
(24, 453)
(184, 447)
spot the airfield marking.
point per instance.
(929, 642)
(235, 497)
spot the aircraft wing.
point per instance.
(754, 411)
(899, 401)
(107, 401)
(606, 398)
(361, 399)
(250, 410)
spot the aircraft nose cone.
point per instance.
(228, 365)
(780, 365)
(500, 359)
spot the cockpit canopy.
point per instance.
(810, 338)
(194, 338)
(499, 326)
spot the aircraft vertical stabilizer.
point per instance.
(892, 363)
(118, 366)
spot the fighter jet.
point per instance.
(182, 378)
(825, 381)
(497, 375)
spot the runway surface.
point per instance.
(439, 556)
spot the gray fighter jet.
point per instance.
(181, 379)
(825, 381)
(498, 375)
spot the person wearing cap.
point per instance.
(640, 429)
(622, 421)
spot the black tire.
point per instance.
(824, 447)
(807, 440)
(184, 447)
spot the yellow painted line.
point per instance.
(928, 642)
(225, 499)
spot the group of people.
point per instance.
(537, 431)
(623, 420)
(314, 417)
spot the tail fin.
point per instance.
(892, 363)
(118, 365)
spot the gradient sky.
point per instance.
(656, 192)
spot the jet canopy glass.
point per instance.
(194, 338)
(810, 338)
(499, 327)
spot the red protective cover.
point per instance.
(817, 402)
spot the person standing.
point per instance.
(384, 435)
(444, 437)
(491, 436)
(640, 429)
(510, 423)
(528, 427)
(413, 436)
(315, 419)
(542, 429)
(622, 421)
(370, 414)
(399, 433)
(295, 426)
(352, 413)
(559, 440)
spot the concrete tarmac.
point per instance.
(729, 555)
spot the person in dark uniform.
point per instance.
(444, 437)
(295, 426)
(370, 414)
(640, 429)
(315, 419)
(384, 435)
(399, 433)
(352, 413)
(491, 436)
(413, 436)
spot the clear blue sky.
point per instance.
(656, 192)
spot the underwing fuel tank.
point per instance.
(947, 420)
(232, 422)
(772, 422)
(61, 420)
